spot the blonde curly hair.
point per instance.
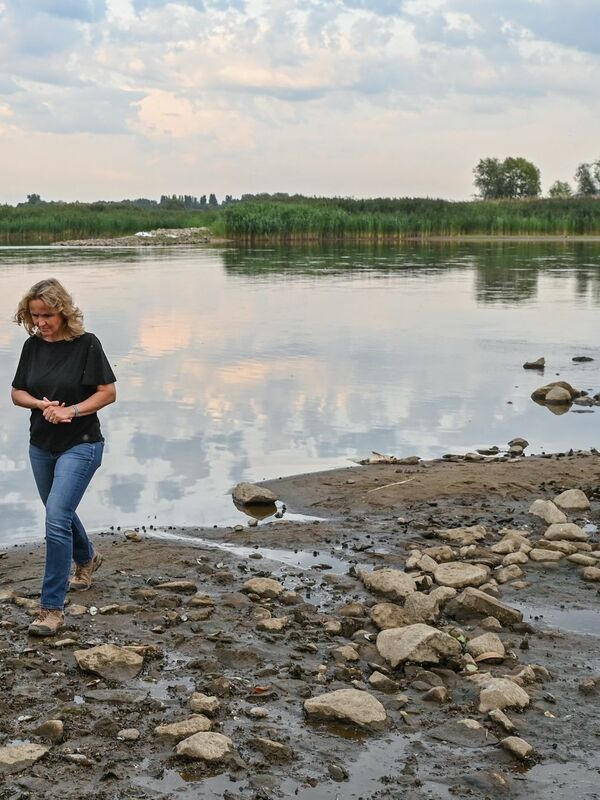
(55, 296)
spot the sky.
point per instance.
(107, 99)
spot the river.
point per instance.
(237, 364)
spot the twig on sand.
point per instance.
(387, 485)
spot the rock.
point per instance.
(540, 554)
(566, 548)
(438, 694)
(490, 624)
(463, 536)
(566, 531)
(572, 500)
(486, 644)
(263, 587)
(382, 683)
(539, 363)
(337, 772)
(52, 729)
(273, 625)
(275, 751)
(347, 705)
(184, 728)
(389, 615)
(258, 712)
(201, 600)
(472, 602)
(133, 536)
(515, 558)
(419, 643)
(458, 574)
(334, 627)
(128, 734)
(427, 564)
(391, 582)
(518, 441)
(204, 703)
(517, 747)
(441, 552)
(591, 574)
(15, 757)
(542, 393)
(251, 494)
(352, 609)
(463, 733)
(510, 573)
(500, 718)
(181, 587)
(583, 560)
(345, 653)
(557, 396)
(501, 693)
(76, 610)
(110, 661)
(212, 747)
(546, 510)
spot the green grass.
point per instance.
(308, 219)
(329, 219)
(52, 222)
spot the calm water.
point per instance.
(242, 365)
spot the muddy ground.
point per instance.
(215, 648)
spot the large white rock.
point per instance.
(541, 554)
(473, 602)
(205, 747)
(347, 705)
(250, 494)
(110, 661)
(546, 510)
(204, 703)
(391, 582)
(486, 643)
(419, 643)
(184, 728)
(463, 536)
(15, 757)
(418, 607)
(572, 500)
(567, 531)
(502, 693)
(264, 587)
(458, 574)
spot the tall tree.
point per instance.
(514, 177)
(587, 178)
(560, 189)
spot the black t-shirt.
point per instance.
(67, 371)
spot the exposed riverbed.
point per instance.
(214, 645)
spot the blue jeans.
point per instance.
(62, 479)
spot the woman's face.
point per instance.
(49, 322)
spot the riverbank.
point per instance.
(262, 649)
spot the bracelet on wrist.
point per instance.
(75, 411)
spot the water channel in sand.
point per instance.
(238, 364)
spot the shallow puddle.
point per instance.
(301, 559)
(574, 620)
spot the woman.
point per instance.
(64, 377)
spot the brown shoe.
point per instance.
(47, 622)
(82, 577)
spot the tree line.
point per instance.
(516, 177)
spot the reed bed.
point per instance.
(380, 219)
(51, 222)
